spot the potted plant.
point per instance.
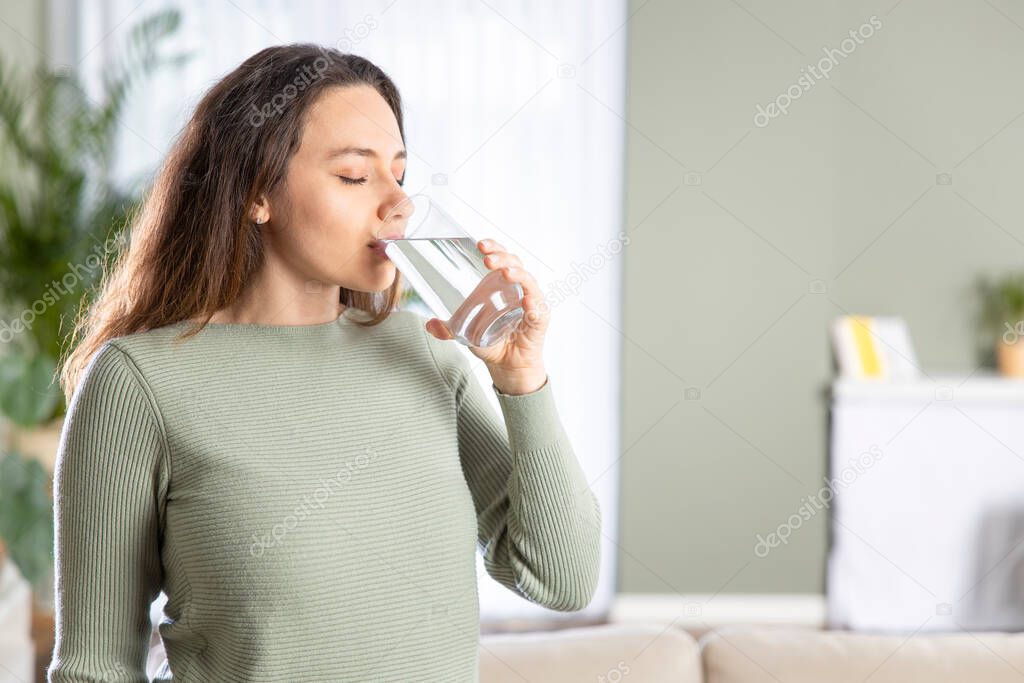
(1002, 320)
(61, 221)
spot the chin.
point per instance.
(380, 280)
(376, 275)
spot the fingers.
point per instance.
(502, 260)
(517, 274)
(437, 328)
(488, 245)
(531, 288)
(497, 258)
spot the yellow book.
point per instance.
(873, 347)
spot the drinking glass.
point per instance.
(445, 268)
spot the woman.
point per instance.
(305, 472)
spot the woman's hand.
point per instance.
(516, 363)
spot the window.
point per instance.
(513, 108)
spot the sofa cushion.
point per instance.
(609, 653)
(786, 655)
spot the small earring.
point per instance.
(261, 220)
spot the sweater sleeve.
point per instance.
(110, 484)
(539, 524)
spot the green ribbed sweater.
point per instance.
(311, 499)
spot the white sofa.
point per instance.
(655, 654)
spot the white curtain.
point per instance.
(512, 108)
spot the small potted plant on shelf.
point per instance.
(1002, 320)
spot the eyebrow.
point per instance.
(361, 151)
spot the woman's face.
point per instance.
(339, 187)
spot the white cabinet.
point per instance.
(928, 504)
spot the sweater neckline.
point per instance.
(348, 315)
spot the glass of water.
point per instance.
(442, 263)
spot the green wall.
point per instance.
(735, 271)
(22, 35)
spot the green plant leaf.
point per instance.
(28, 394)
(58, 206)
(1002, 303)
(26, 517)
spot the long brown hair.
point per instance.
(193, 246)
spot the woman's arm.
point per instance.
(110, 484)
(539, 522)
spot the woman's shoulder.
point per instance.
(148, 341)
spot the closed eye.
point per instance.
(361, 181)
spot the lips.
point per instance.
(378, 245)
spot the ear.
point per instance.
(260, 211)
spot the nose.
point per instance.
(394, 214)
(396, 207)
